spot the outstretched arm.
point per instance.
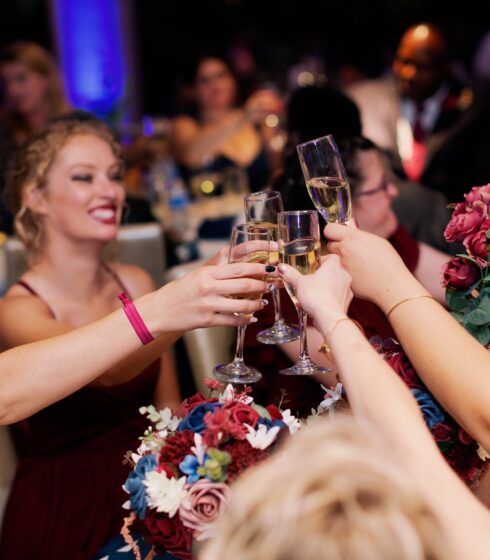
(40, 373)
(452, 364)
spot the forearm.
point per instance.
(38, 374)
(377, 395)
(452, 364)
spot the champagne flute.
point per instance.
(262, 208)
(299, 246)
(326, 179)
(249, 243)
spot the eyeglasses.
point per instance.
(382, 187)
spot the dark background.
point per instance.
(167, 33)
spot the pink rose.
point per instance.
(477, 244)
(206, 503)
(459, 273)
(477, 194)
(465, 223)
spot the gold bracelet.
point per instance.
(324, 348)
(405, 300)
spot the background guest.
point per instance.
(221, 133)
(33, 94)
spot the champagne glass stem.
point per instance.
(240, 340)
(303, 342)
(276, 299)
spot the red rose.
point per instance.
(399, 362)
(478, 194)
(274, 412)
(465, 223)
(241, 413)
(477, 244)
(219, 425)
(464, 437)
(188, 405)
(459, 273)
(442, 432)
(168, 534)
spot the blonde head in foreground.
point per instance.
(329, 494)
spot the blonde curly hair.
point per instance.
(30, 166)
(331, 494)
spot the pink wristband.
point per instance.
(135, 319)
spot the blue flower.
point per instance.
(189, 466)
(431, 411)
(134, 484)
(270, 423)
(194, 421)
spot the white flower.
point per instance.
(482, 453)
(261, 438)
(291, 421)
(163, 419)
(332, 398)
(165, 494)
(230, 394)
(199, 449)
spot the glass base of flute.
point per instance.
(237, 371)
(280, 332)
(304, 365)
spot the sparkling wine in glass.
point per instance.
(249, 243)
(326, 179)
(262, 208)
(299, 246)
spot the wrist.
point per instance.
(398, 291)
(327, 324)
(150, 312)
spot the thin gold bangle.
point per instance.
(404, 301)
(324, 348)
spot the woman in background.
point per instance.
(222, 134)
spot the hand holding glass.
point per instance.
(262, 209)
(249, 243)
(299, 247)
(326, 179)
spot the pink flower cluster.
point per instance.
(468, 225)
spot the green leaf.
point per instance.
(488, 234)
(456, 300)
(458, 316)
(261, 410)
(479, 313)
(468, 258)
(482, 334)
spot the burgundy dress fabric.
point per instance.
(66, 498)
(301, 394)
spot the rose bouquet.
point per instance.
(466, 277)
(460, 450)
(179, 484)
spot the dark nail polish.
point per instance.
(270, 268)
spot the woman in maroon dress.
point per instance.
(67, 196)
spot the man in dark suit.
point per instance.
(420, 112)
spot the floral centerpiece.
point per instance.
(466, 277)
(460, 450)
(179, 484)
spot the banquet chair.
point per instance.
(138, 244)
(205, 347)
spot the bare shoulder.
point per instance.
(135, 278)
(25, 318)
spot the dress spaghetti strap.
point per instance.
(116, 278)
